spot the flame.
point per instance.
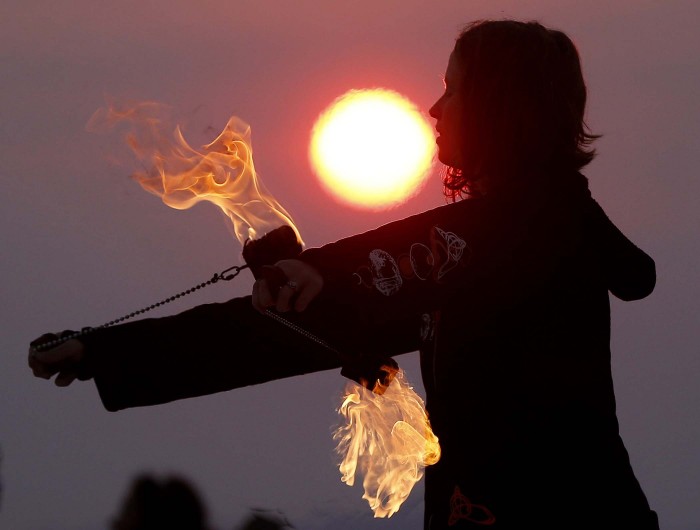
(221, 172)
(389, 439)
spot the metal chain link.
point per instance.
(302, 331)
(226, 275)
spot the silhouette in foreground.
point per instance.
(265, 520)
(154, 504)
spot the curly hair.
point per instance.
(525, 102)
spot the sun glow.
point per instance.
(372, 148)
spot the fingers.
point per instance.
(62, 358)
(39, 367)
(65, 378)
(267, 289)
(46, 337)
(262, 297)
(285, 295)
(290, 284)
(306, 296)
(303, 286)
(274, 277)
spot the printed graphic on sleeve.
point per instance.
(386, 276)
(425, 262)
(427, 327)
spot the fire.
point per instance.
(388, 439)
(221, 172)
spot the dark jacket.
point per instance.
(506, 296)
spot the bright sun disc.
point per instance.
(372, 148)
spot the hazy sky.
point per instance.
(83, 244)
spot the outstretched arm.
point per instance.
(208, 349)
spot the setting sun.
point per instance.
(372, 148)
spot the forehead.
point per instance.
(454, 69)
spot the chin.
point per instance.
(444, 154)
(445, 159)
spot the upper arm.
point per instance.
(630, 273)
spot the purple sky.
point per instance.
(83, 244)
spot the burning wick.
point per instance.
(388, 439)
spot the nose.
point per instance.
(436, 110)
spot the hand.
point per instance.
(62, 360)
(290, 284)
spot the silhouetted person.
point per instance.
(158, 504)
(505, 294)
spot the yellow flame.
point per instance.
(387, 438)
(221, 172)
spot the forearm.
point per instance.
(208, 349)
(218, 347)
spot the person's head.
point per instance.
(168, 503)
(513, 107)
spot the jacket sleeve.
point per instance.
(629, 272)
(483, 254)
(217, 347)
(207, 349)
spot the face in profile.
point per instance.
(448, 112)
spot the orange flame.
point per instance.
(389, 439)
(221, 172)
